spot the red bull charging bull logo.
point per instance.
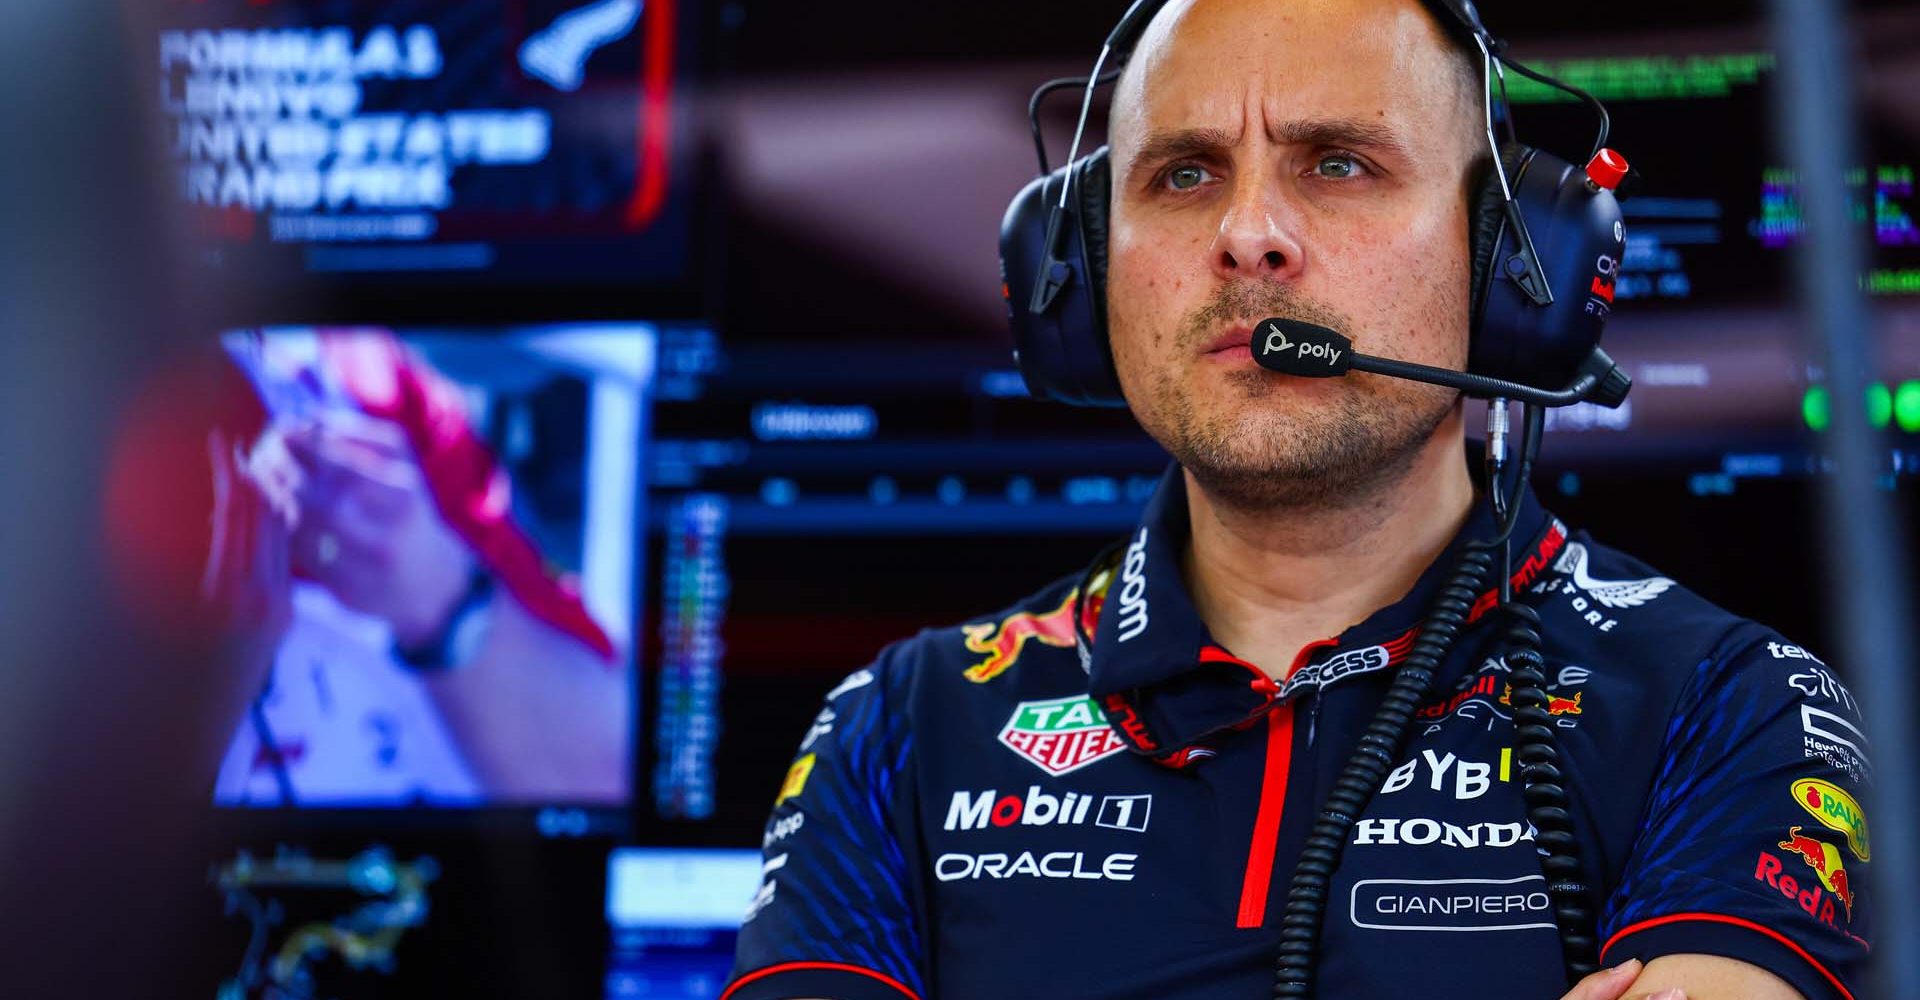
(1824, 859)
(1556, 705)
(1001, 642)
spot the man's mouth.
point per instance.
(1235, 344)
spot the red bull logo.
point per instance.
(1481, 687)
(1824, 859)
(1001, 642)
(1556, 705)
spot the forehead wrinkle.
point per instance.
(1356, 132)
(1174, 143)
(1404, 38)
(1167, 144)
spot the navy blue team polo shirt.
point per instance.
(979, 815)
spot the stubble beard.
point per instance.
(1257, 453)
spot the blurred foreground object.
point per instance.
(103, 712)
(1869, 589)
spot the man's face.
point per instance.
(1295, 158)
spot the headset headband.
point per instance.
(1461, 13)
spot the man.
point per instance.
(978, 815)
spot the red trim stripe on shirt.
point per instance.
(770, 970)
(1721, 918)
(1266, 826)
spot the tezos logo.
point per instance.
(1789, 651)
(1133, 589)
(971, 811)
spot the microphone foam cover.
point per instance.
(1295, 347)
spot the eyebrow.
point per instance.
(1359, 134)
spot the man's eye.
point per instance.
(1186, 178)
(1337, 166)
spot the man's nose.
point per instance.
(1259, 235)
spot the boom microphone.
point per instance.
(1295, 347)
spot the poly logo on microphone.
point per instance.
(1313, 351)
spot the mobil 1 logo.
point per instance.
(980, 810)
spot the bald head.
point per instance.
(1431, 55)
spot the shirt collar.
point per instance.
(1165, 682)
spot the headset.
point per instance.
(1546, 239)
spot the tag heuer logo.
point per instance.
(1060, 735)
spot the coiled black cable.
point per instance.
(1545, 792)
(1367, 770)
(1535, 744)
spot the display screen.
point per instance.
(1713, 222)
(674, 914)
(457, 515)
(332, 141)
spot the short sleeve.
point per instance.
(834, 916)
(1754, 845)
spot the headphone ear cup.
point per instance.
(1486, 217)
(1054, 274)
(1095, 190)
(1578, 238)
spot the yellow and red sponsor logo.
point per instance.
(1001, 642)
(1824, 859)
(1836, 810)
(1556, 705)
(796, 781)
